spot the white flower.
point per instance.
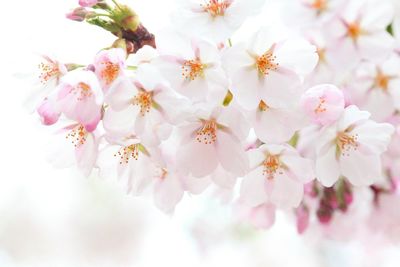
(269, 68)
(352, 148)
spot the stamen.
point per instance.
(346, 142)
(320, 108)
(319, 5)
(382, 80)
(144, 100)
(208, 133)
(266, 63)
(110, 72)
(216, 7)
(272, 165)
(48, 70)
(353, 30)
(263, 106)
(77, 135)
(82, 90)
(192, 69)
(127, 153)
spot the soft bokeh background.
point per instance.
(51, 217)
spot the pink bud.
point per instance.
(323, 103)
(303, 218)
(48, 113)
(88, 3)
(78, 14)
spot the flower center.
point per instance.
(346, 142)
(144, 100)
(48, 70)
(77, 135)
(354, 30)
(192, 69)
(382, 80)
(319, 5)
(320, 108)
(216, 8)
(321, 52)
(127, 153)
(266, 62)
(110, 72)
(271, 166)
(82, 91)
(208, 133)
(263, 106)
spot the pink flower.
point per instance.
(80, 98)
(261, 216)
(351, 148)
(212, 138)
(278, 174)
(78, 14)
(303, 218)
(48, 112)
(109, 66)
(323, 104)
(193, 68)
(269, 68)
(143, 106)
(88, 3)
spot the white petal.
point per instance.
(287, 192)
(253, 188)
(327, 167)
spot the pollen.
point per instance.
(216, 7)
(144, 100)
(110, 72)
(77, 135)
(354, 30)
(127, 153)
(48, 70)
(192, 69)
(272, 165)
(266, 63)
(208, 133)
(382, 80)
(346, 142)
(320, 108)
(319, 5)
(82, 91)
(263, 106)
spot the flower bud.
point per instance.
(78, 14)
(126, 17)
(323, 103)
(88, 3)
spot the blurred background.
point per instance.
(53, 217)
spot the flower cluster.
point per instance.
(298, 117)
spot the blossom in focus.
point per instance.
(193, 69)
(213, 137)
(79, 97)
(269, 68)
(352, 148)
(323, 103)
(278, 174)
(109, 66)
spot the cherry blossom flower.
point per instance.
(360, 31)
(323, 104)
(46, 80)
(109, 66)
(351, 148)
(374, 87)
(268, 68)
(214, 19)
(193, 69)
(142, 106)
(277, 176)
(79, 97)
(213, 137)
